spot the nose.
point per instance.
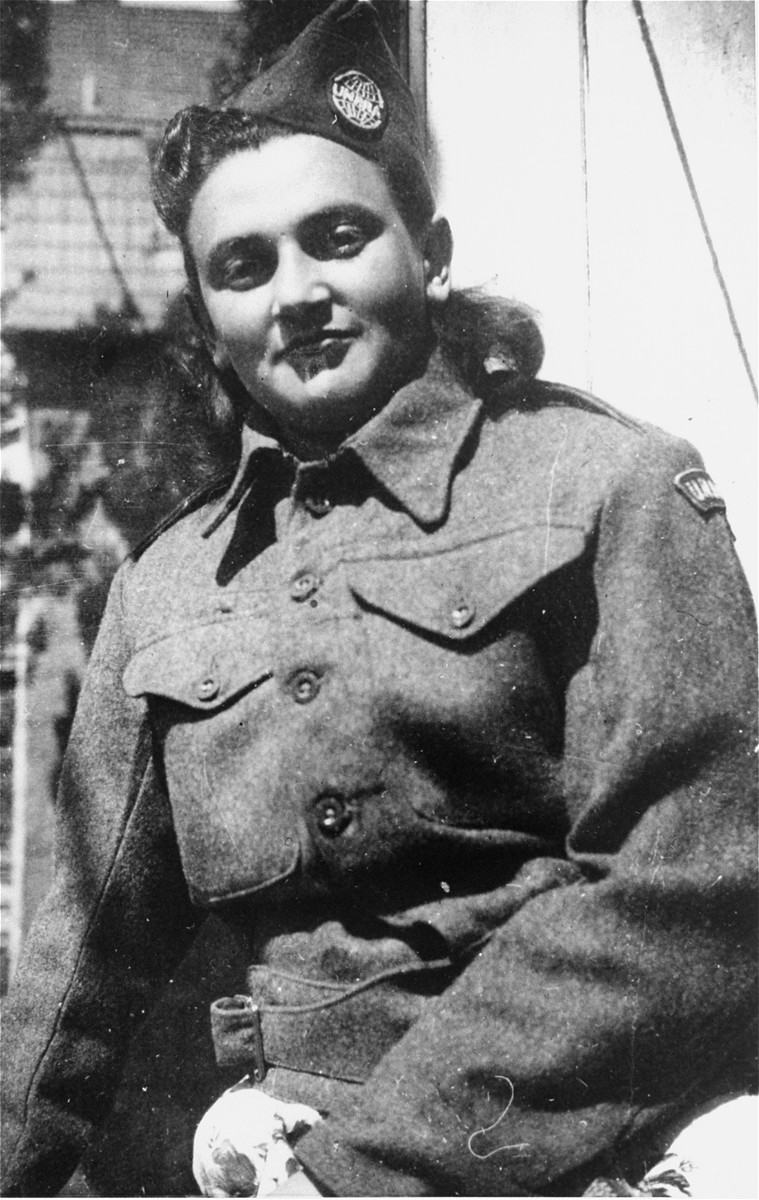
(298, 285)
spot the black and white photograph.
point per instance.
(378, 674)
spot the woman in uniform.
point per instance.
(442, 703)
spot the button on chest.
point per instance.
(462, 614)
(208, 688)
(304, 586)
(318, 504)
(332, 816)
(315, 489)
(304, 686)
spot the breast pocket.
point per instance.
(465, 676)
(454, 593)
(212, 700)
(201, 669)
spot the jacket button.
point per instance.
(304, 586)
(305, 686)
(318, 505)
(462, 615)
(208, 688)
(332, 816)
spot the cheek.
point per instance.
(397, 300)
(389, 287)
(240, 326)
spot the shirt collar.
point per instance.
(411, 446)
(254, 445)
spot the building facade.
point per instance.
(89, 274)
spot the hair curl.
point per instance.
(195, 141)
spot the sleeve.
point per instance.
(117, 919)
(600, 1010)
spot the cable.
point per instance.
(656, 67)
(131, 310)
(584, 100)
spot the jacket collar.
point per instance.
(410, 447)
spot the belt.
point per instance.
(321, 1028)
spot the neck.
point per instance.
(307, 448)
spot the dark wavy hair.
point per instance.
(483, 337)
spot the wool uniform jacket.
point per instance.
(454, 729)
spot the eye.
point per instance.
(340, 235)
(346, 239)
(246, 271)
(243, 265)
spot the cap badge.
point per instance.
(358, 100)
(698, 487)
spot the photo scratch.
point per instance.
(490, 1128)
(550, 497)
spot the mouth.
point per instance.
(323, 350)
(317, 342)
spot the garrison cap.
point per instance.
(339, 80)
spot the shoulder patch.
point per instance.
(190, 503)
(698, 487)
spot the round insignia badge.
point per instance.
(357, 100)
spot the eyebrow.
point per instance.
(349, 209)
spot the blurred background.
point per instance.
(597, 159)
(100, 439)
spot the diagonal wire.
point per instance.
(130, 305)
(584, 100)
(674, 130)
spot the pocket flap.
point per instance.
(204, 667)
(455, 593)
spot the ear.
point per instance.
(437, 252)
(220, 356)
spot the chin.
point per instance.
(330, 392)
(332, 403)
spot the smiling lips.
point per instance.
(318, 342)
(308, 354)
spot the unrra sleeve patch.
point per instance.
(698, 487)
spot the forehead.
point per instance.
(270, 190)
